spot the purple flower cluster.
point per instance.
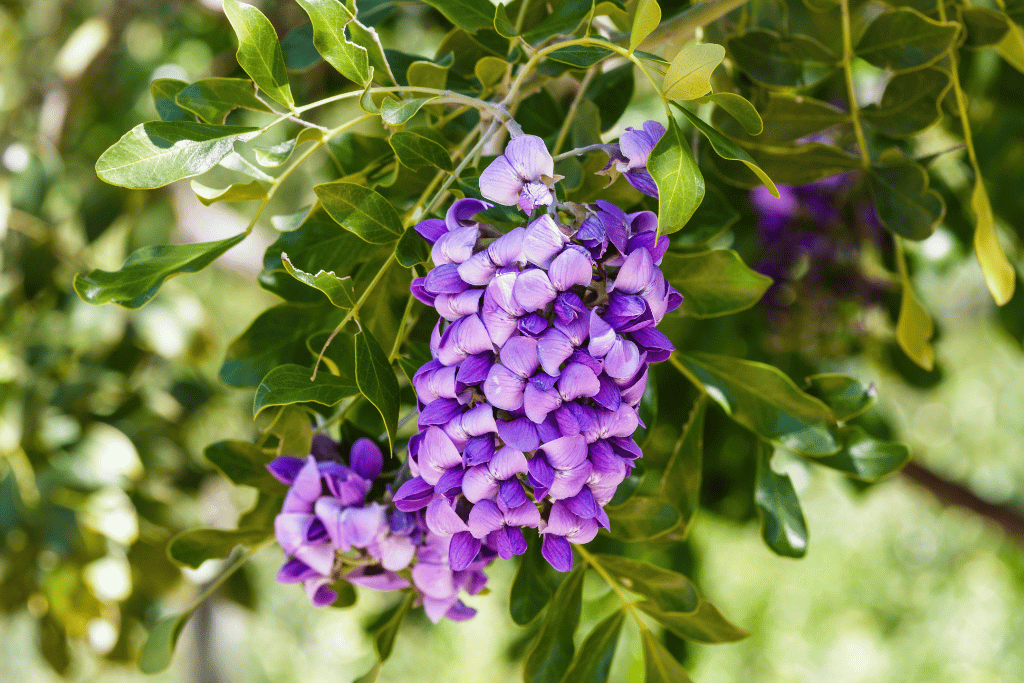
(528, 408)
(329, 530)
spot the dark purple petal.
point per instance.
(285, 468)
(446, 280)
(462, 210)
(419, 290)
(439, 412)
(473, 370)
(294, 571)
(413, 495)
(450, 483)
(377, 579)
(431, 229)
(512, 494)
(533, 325)
(641, 179)
(510, 542)
(582, 504)
(460, 612)
(541, 472)
(654, 342)
(479, 449)
(463, 550)
(366, 459)
(557, 551)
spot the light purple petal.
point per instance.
(462, 210)
(542, 241)
(507, 463)
(508, 248)
(504, 388)
(502, 289)
(500, 182)
(372, 577)
(538, 403)
(413, 495)
(510, 542)
(566, 452)
(455, 306)
(478, 269)
(445, 279)
(529, 157)
(434, 580)
(578, 381)
(636, 273)
(582, 504)
(307, 485)
(290, 529)
(520, 434)
(484, 518)
(431, 229)
(500, 324)
(571, 267)
(602, 336)
(363, 525)
(437, 454)
(526, 514)
(533, 290)
(553, 349)
(478, 484)
(534, 193)
(455, 246)
(472, 337)
(519, 355)
(285, 468)
(568, 483)
(442, 519)
(623, 360)
(396, 552)
(318, 557)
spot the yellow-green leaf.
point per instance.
(999, 274)
(914, 328)
(689, 75)
(648, 16)
(236, 192)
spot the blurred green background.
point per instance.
(104, 414)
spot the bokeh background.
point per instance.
(104, 414)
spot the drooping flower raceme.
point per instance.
(330, 530)
(528, 407)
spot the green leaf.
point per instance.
(904, 202)
(804, 163)
(580, 56)
(714, 216)
(259, 53)
(914, 328)
(384, 638)
(706, 625)
(845, 396)
(192, 547)
(714, 283)
(983, 27)
(641, 518)
(659, 664)
(376, 380)
(411, 249)
(236, 192)
(666, 590)
(426, 74)
(272, 157)
(144, 272)
(212, 99)
(689, 75)
(646, 19)
(489, 70)
(866, 458)
(529, 594)
(164, 91)
(368, 38)
(502, 24)
(782, 521)
(553, 649)
(267, 506)
(360, 210)
(680, 483)
(904, 39)
(791, 117)
(372, 675)
(337, 289)
(727, 149)
(287, 384)
(244, 463)
(53, 643)
(764, 400)
(594, 659)
(158, 153)
(299, 51)
(417, 148)
(911, 103)
(158, 649)
(777, 61)
(468, 15)
(739, 108)
(998, 272)
(294, 431)
(680, 184)
(565, 19)
(346, 594)
(611, 91)
(329, 19)
(396, 113)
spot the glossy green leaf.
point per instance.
(236, 162)
(782, 520)
(236, 192)
(489, 70)
(904, 39)
(706, 625)
(911, 103)
(376, 380)
(417, 148)
(914, 328)
(273, 338)
(904, 202)
(158, 153)
(727, 149)
(468, 15)
(212, 99)
(666, 590)
(329, 19)
(983, 27)
(298, 49)
(764, 400)
(646, 19)
(866, 458)
(141, 276)
(337, 289)
(739, 108)
(689, 75)
(580, 56)
(659, 664)
(999, 273)
(411, 249)
(611, 91)
(502, 24)
(367, 38)
(244, 463)
(845, 396)
(384, 638)
(680, 482)
(714, 283)
(641, 518)
(259, 53)
(360, 210)
(679, 181)
(164, 91)
(565, 19)
(426, 74)
(553, 649)
(529, 594)
(791, 117)
(291, 383)
(781, 61)
(272, 157)
(158, 649)
(192, 547)
(346, 594)
(396, 113)
(594, 659)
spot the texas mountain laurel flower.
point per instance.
(540, 358)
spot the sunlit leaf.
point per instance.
(646, 19)
(212, 99)
(739, 108)
(845, 396)
(468, 15)
(259, 53)
(727, 149)
(679, 181)
(502, 24)
(999, 273)
(689, 75)
(329, 19)
(272, 157)
(865, 457)
(914, 328)
(396, 113)
(594, 659)
(164, 91)
(236, 192)
(338, 290)
(376, 380)
(659, 664)
(360, 210)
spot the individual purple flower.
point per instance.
(521, 176)
(635, 147)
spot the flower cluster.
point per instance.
(540, 358)
(330, 530)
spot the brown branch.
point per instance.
(951, 493)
